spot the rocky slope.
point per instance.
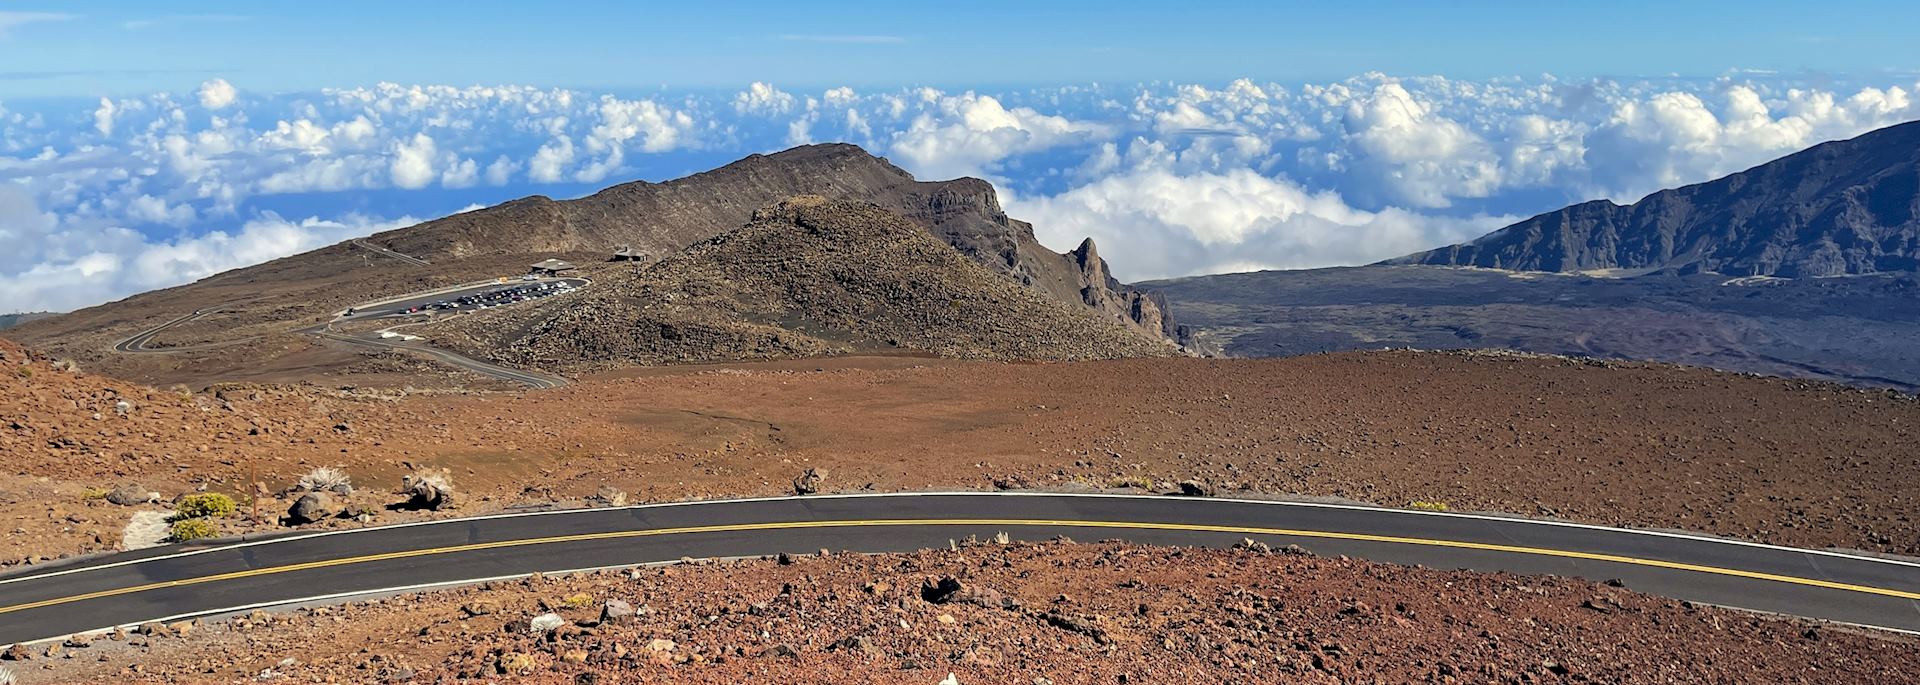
(807, 277)
(662, 218)
(1840, 208)
(244, 334)
(1015, 613)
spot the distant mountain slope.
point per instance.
(1845, 207)
(258, 305)
(660, 218)
(807, 277)
(10, 320)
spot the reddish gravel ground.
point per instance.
(1020, 613)
(1790, 462)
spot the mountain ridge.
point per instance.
(1844, 207)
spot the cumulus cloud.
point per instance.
(412, 165)
(217, 94)
(1293, 174)
(64, 264)
(763, 99)
(962, 135)
(1153, 223)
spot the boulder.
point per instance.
(809, 482)
(545, 623)
(615, 611)
(428, 490)
(131, 495)
(310, 508)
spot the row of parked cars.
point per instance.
(498, 297)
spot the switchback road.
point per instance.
(176, 582)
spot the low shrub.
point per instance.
(205, 505)
(1135, 482)
(185, 530)
(94, 493)
(1425, 505)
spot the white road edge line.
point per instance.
(423, 587)
(877, 495)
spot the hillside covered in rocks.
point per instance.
(1048, 613)
(808, 277)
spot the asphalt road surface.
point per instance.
(138, 343)
(171, 583)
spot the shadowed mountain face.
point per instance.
(1841, 208)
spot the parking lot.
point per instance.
(488, 299)
(468, 299)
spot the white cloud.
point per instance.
(62, 265)
(1406, 156)
(1153, 223)
(549, 163)
(103, 117)
(763, 99)
(462, 174)
(500, 172)
(413, 161)
(968, 133)
(217, 94)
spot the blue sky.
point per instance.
(144, 145)
(116, 48)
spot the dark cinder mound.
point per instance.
(810, 276)
(1846, 207)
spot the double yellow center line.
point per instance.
(1052, 523)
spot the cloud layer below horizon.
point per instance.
(128, 194)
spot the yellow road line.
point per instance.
(741, 527)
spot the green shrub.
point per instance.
(183, 530)
(1135, 482)
(205, 505)
(1425, 505)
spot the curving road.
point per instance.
(532, 379)
(170, 583)
(138, 343)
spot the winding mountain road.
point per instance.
(171, 583)
(137, 344)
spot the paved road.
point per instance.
(397, 308)
(138, 343)
(174, 582)
(362, 242)
(532, 379)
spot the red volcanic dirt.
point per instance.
(1790, 462)
(1020, 613)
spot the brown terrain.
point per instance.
(246, 331)
(805, 278)
(1791, 462)
(1047, 613)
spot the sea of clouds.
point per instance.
(104, 198)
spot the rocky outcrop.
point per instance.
(1840, 208)
(807, 277)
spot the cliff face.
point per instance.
(1841, 208)
(662, 218)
